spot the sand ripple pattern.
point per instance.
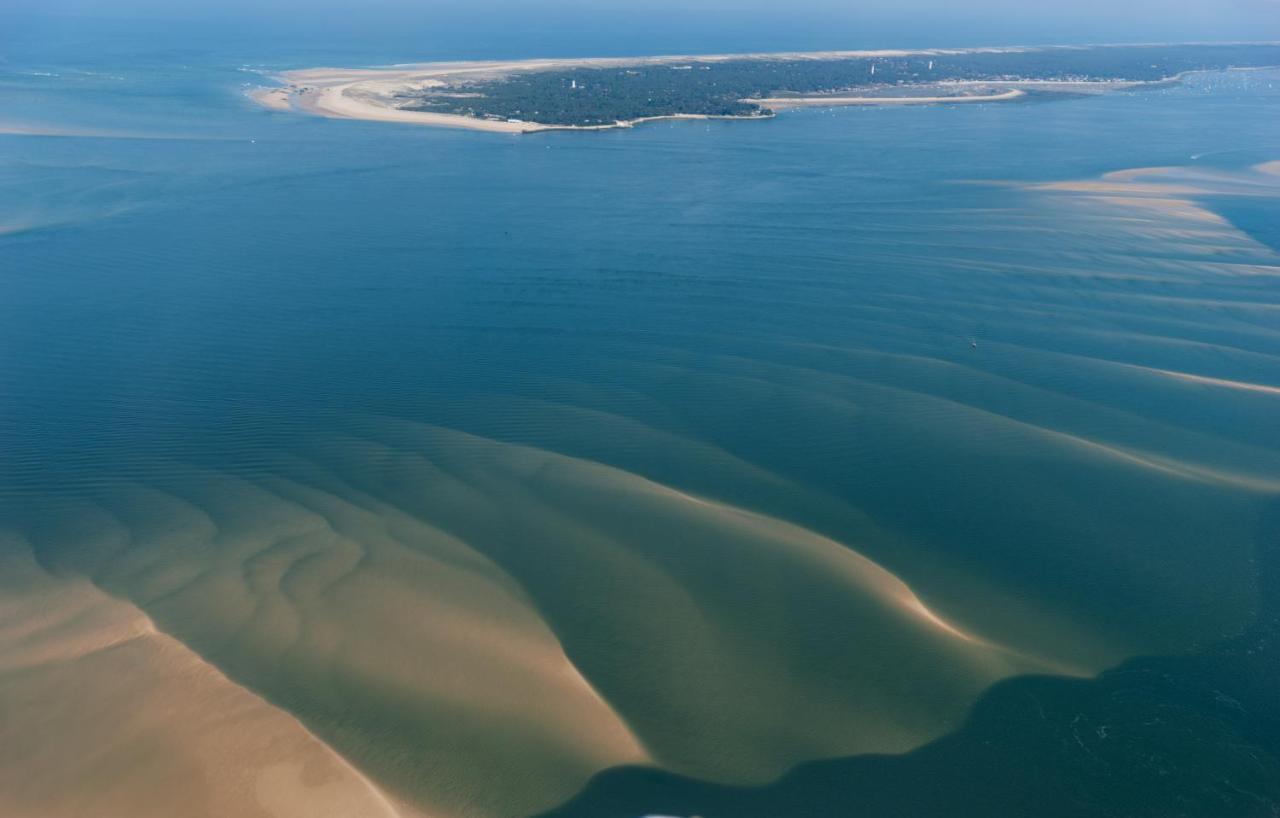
(720, 554)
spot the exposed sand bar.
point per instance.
(344, 101)
(277, 99)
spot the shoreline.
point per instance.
(336, 103)
(334, 100)
(371, 93)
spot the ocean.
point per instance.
(858, 460)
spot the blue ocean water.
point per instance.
(1049, 411)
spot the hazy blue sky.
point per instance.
(469, 28)
(1032, 13)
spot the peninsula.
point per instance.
(591, 94)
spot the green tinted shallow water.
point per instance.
(795, 436)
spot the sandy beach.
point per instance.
(277, 99)
(352, 101)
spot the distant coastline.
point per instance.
(463, 94)
(334, 102)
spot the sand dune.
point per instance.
(307, 564)
(659, 574)
(479, 626)
(540, 617)
(377, 630)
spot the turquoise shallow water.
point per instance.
(1050, 413)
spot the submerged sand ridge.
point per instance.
(104, 715)
(679, 631)
(308, 566)
(472, 615)
(311, 599)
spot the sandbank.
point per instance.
(107, 716)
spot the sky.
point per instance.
(413, 29)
